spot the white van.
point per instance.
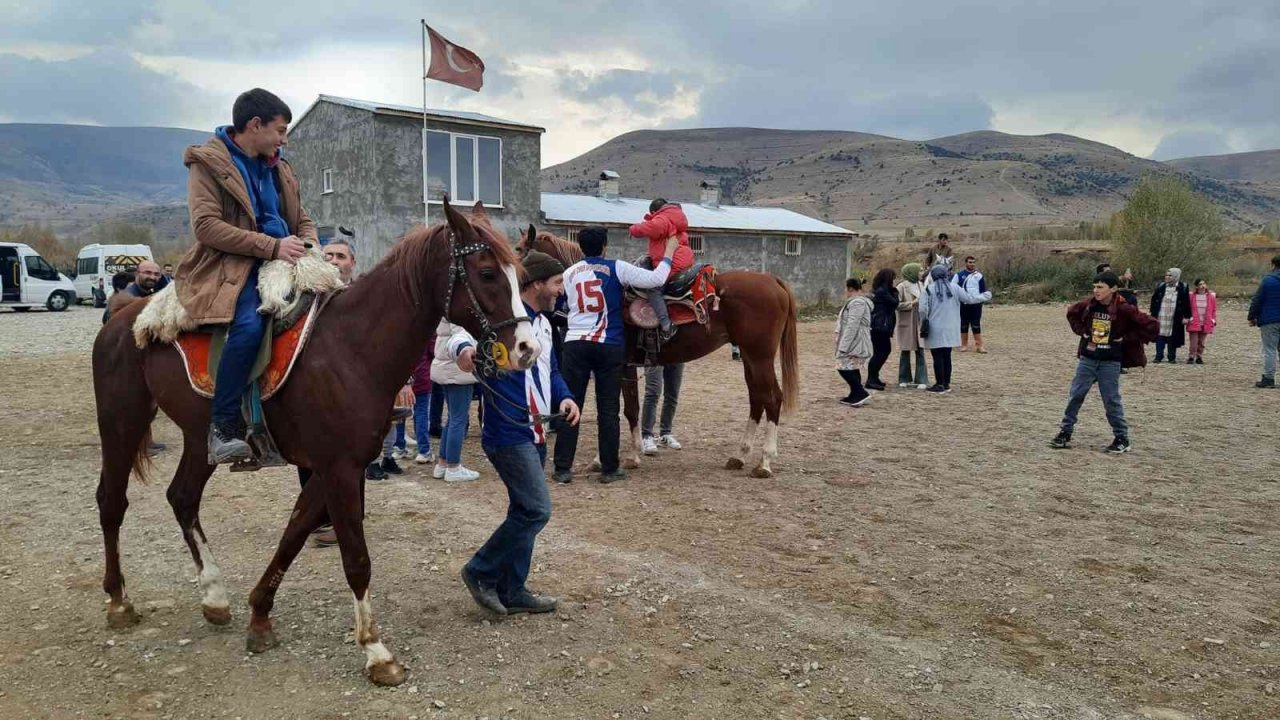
(99, 262)
(28, 280)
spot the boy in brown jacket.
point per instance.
(245, 208)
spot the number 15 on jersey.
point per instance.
(590, 299)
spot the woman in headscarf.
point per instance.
(940, 307)
(907, 334)
(1171, 305)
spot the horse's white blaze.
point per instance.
(524, 331)
(213, 589)
(367, 634)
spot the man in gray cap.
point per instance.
(517, 406)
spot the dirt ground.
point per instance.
(923, 557)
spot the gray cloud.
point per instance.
(617, 83)
(106, 87)
(1190, 143)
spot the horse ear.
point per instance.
(531, 235)
(478, 212)
(461, 227)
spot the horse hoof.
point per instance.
(761, 473)
(261, 641)
(387, 674)
(122, 616)
(631, 463)
(216, 615)
(734, 464)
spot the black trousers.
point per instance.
(942, 366)
(881, 344)
(580, 362)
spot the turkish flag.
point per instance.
(454, 64)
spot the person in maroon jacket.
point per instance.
(1112, 333)
(663, 221)
(422, 405)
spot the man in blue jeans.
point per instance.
(515, 440)
(245, 208)
(1264, 313)
(1111, 333)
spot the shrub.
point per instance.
(1167, 224)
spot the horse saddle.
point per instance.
(690, 295)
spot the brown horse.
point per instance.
(329, 418)
(757, 313)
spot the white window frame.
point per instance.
(326, 181)
(475, 167)
(698, 244)
(787, 248)
(572, 234)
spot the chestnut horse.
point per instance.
(329, 418)
(757, 313)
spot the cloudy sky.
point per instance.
(1156, 78)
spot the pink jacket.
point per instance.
(1207, 323)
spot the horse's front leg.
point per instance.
(343, 499)
(631, 409)
(307, 513)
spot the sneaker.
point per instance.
(937, 390)
(1119, 445)
(1199, 361)
(1157, 361)
(874, 385)
(922, 386)
(391, 467)
(564, 477)
(410, 442)
(424, 459)
(856, 403)
(665, 334)
(399, 454)
(460, 475)
(324, 536)
(1061, 441)
(374, 472)
(612, 477)
(226, 444)
(670, 442)
(1191, 361)
(437, 472)
(648, 446)
(904, 385)
(1265, 382)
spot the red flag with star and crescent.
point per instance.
(454, 64)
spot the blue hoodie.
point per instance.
(260, 179)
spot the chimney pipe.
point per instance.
(609, 185)
(710, 193)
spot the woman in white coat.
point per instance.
(456, 385)
(853, 342)
(940, 310)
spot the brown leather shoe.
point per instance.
(324, 536)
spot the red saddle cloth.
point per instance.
(694, 306)
(195, 347)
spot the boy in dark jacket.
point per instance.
(1264, 314)
(1112, 333)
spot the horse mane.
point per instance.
(568, 252)
(411, 253)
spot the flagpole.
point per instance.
(426, 175)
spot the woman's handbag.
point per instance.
(924, 328)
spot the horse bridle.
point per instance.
(491, 354)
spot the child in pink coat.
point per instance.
(1204, 318)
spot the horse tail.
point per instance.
(790, 353)
(142, 466)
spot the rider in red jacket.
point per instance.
(663, 221)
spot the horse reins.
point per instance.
(487, 361)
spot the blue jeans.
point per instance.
(1106, 374)
(421, 421)
(400, 438)
(1270, 339)
(458, 399)
(503, 561)
(244, 337)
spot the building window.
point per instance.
(327, 184)
(696, 245)
(467, 167)
(791, 246)
(573, 235)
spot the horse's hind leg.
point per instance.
(308, 511)
(184, 495)
(343, 499)
(124, 443)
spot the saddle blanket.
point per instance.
(200, 352)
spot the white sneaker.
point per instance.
(438, 471)
(669, 441)
(460, 475)
(922, 386)
(648, 446)
(410, 442)
(424, 459)
(399, 454)
(904, 385)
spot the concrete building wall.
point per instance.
(817, 273)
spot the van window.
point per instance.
(87, 266)
(38, 268)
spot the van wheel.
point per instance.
(58, 302)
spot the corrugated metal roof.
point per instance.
(593, 209)
(463, 116)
